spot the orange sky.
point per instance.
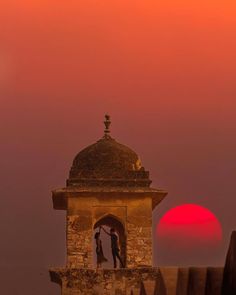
(164, 70)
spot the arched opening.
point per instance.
(110, 221)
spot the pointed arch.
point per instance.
(109, 220)
(115, 222)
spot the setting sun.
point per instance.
(189, 225)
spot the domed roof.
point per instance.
(108, 162)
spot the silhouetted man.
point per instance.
(114, 246)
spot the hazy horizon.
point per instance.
(163, 70)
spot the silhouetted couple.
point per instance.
(114, 247)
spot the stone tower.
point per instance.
(107, 185)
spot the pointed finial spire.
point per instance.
(107, 124)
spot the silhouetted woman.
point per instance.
(99, 251)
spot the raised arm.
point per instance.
(105, 231)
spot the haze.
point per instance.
(165, 72)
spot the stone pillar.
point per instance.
(139, 246)
(182, 283)
(79, 241)
(229, 282)
(139, 234)
(197, 280)
(214, 280)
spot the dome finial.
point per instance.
(107, 124)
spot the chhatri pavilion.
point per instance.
(108, 186)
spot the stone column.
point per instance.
(79, 240)
(139, 233)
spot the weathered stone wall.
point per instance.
(79, 234)
(139, 233)
(139, 281)
(79, 242)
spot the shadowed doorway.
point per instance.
(108, 222)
